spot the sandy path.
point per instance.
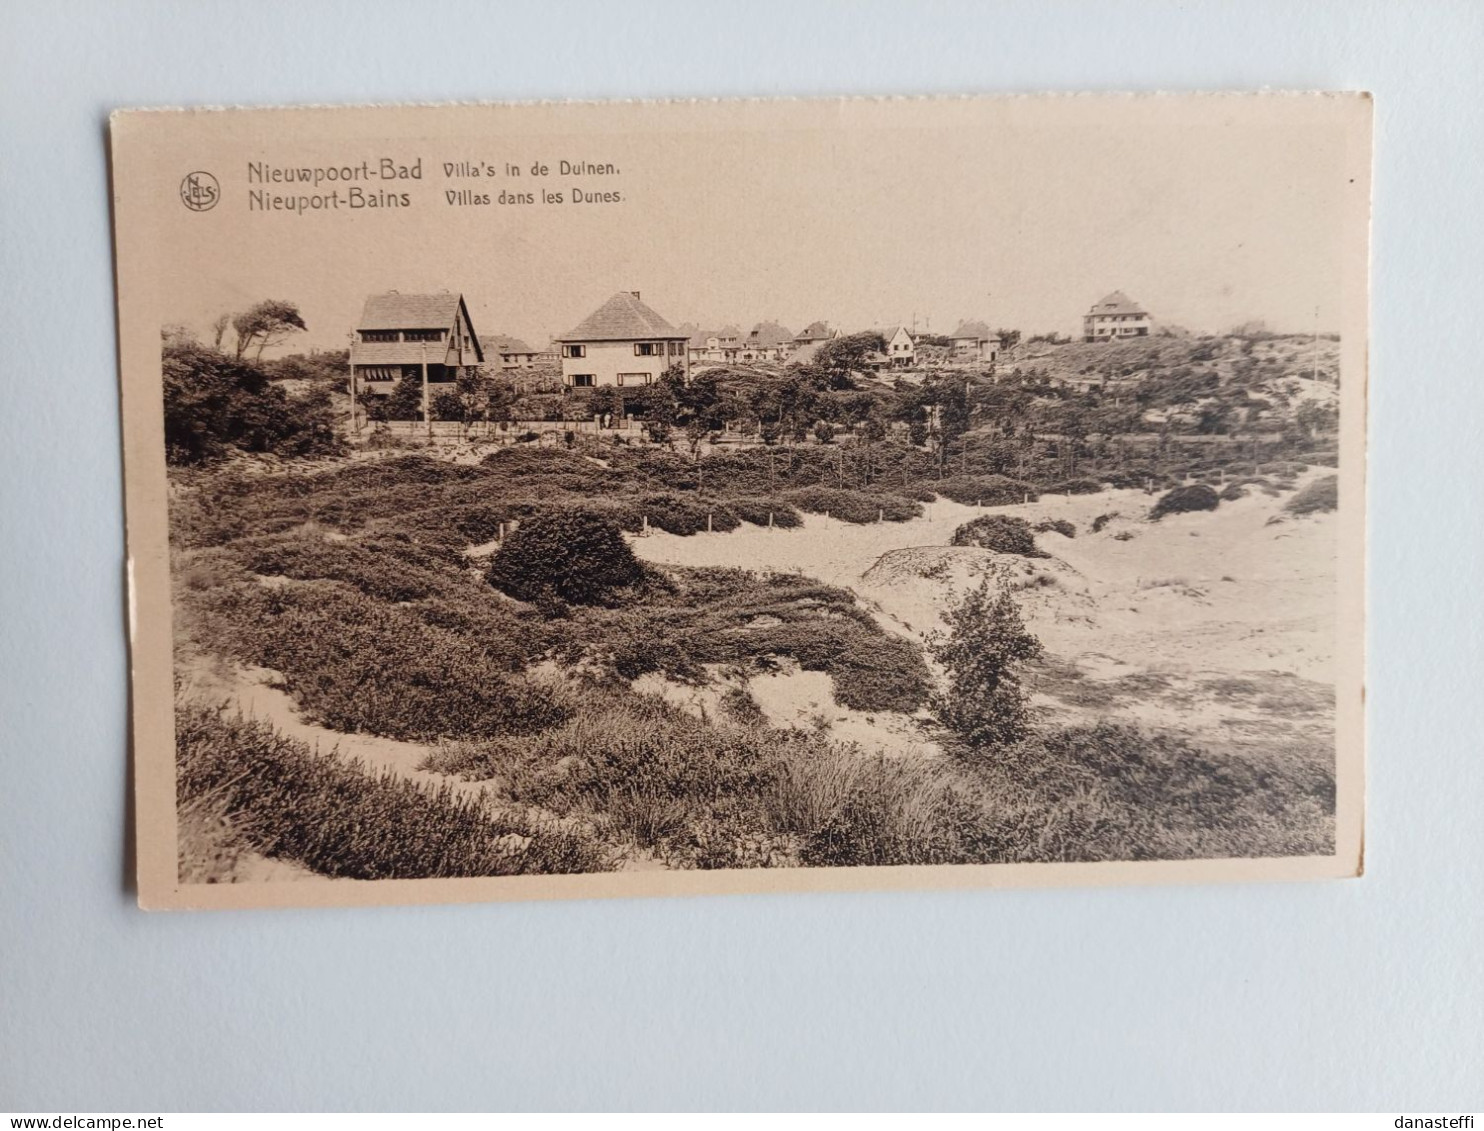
(253, 692)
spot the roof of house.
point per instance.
(769, 334)
(699, 338)
(503, 343)
(1117, 303)
(398, 353)
(622, 318)
(891, 332)
(815, 332)
(975, 329)
(395, 311)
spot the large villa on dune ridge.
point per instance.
(409, 336)
(1116, 316)
(622, 344)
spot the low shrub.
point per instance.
(1057, 525)
(677, 514)
(1232, 492)
(1079, 486)
(988, 490)
(1118, 792)
(1319, 496)
(1195, 497)
(357, 663)
(287, 801)
(758, 511)
(854, 506)
(1102, 520)
(1002, 533)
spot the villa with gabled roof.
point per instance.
(411, 336)
(767, 341)
(1115, 316)
(901, 350)
(974, 341)
(624, 343)
(506, 353)
(716, 345)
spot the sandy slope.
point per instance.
(1217, 623)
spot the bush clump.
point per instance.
(573, 554)
(757, 512)
(1319, 496)
(1079, 486)
(676, 514)
(854, 506)
(986, 490)
(1232, 492)
(1195, 497)
(1056, 525)
(1002, 533)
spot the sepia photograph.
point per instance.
(559, 500)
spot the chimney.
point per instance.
(635, 294)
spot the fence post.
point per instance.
(708, 522)
(644, 530)
(880, 514)
(770, 520)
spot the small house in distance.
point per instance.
(901, 350)
(716, 345)
(406, 336)
(767, 341)
(1115, 316)
(813, 334)
(624, 344)
(974, 341)
(506, 353)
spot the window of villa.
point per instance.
(582, 380)
(574, 351)
(378, 335)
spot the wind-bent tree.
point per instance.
(266, 324)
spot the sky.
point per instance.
(1021, 212)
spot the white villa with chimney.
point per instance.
(622, 344)
(1116, 316)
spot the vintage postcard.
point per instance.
(567, 500)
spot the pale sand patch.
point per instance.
(792, 697)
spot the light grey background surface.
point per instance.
(1362, 994)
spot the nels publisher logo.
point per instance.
(199, 191)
